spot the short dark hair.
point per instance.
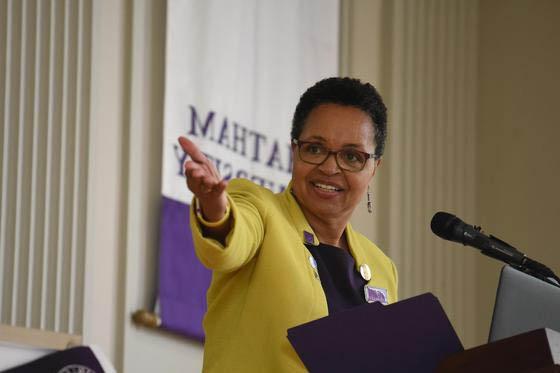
(347, 92)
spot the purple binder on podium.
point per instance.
(412, 335)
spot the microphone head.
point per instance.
(443, 225)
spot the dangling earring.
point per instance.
(369, 201)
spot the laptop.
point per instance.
(523, 303)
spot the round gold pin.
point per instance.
(365, 272)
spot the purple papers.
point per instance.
(412, 335)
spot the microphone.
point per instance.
(451, 228)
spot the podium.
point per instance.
(537, 351)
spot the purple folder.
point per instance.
(412, 335)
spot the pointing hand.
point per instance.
(204, 181)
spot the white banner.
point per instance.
(234, 74)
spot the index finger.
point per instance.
(191, 149)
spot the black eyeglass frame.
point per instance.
(367, 156)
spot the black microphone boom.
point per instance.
(450, 227)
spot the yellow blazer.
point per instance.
(263, 282)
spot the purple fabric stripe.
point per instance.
(183, 281)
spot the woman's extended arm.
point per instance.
(208, 187)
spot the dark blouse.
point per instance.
(342, 283)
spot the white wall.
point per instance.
(518, 132)
(146, 350)
(127, 107)
(107, 179)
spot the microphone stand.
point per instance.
(540, 271)
(526, 265)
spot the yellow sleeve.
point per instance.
(396, 277)
(248, 208)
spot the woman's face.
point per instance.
(325, 191)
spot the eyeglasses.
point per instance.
(347, 159)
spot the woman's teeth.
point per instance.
(326, 187)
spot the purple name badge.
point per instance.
(375, 295)
(308, 237)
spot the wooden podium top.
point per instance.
(537, 351)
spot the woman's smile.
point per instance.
(326, 186)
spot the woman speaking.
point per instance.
(281, 260)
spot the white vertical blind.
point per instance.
(44, 111)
